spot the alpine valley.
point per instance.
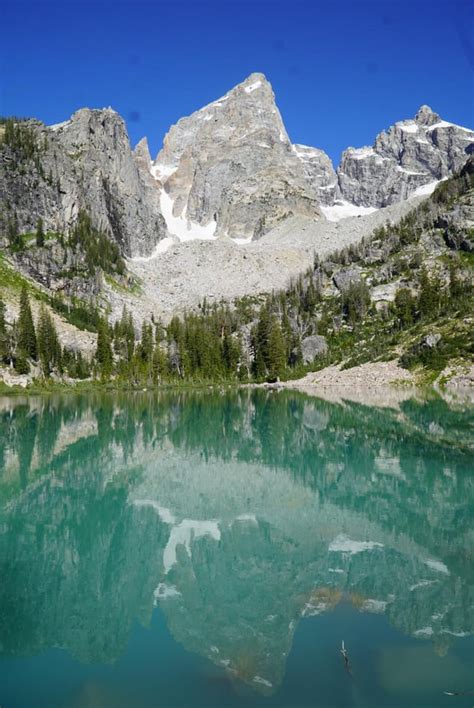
(233, 255)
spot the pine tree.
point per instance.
(3, 333)
(356, 301)
(159, 365)
(404, 307)
(103, 352)
(260, 343)
(13, 235)
(39, 233)
(276, 350)
(429, 295)
(231, 352)
(49, 348)
(27, 344)
(456, 285)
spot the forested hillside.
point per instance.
(406, 292)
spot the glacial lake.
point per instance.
(213, 550)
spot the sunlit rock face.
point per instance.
(404, 160)
(238, 515)
(85, 163)
(230, 169)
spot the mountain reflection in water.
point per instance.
(238, 515)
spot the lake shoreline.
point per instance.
(374, 383)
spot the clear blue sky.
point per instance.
(341, 71)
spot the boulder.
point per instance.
(345, 277)
(313, 346)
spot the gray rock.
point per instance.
(320, 171)
(345, 277)
(313, 346)
(409, 155)
(431, 340)
(85, 163)
(230, 168)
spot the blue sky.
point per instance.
(341, 71)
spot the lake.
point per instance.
(214, 549)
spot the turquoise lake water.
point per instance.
(214, 550)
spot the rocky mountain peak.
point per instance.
(255, 82)
(229, 168)
(426, 116)
(142, 151)
(404, 160)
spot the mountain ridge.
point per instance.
(229, 170)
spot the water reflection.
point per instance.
(238, 514)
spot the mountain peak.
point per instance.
(253, 78)
(426, 116)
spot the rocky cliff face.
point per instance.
(83, 163)
(230, 169)
(403, 159)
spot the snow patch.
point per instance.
(165, 514)
(375, 606)
(336, 570)
(446, 124)
(408, 127)
(426, 189)
(247, 517)
(242, 241)
(264, 682)
(343, 544)
(455, 634)
(344, 210)
(181, 227)
(361, 153)
(310, 610)
(305, 152)
(164, 591)
(219, 102)
(421, 584)
(59, 126)
(424, 632)
(162, 171)
(183, 534)
(161, 247)
(253, 87)
(438, 566)
(410, 172)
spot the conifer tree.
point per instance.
(3, 333)
(260, 342)
(103, 352)
(13, 235)
(49, 348)
(404, 307)
(27, 344)
(39, 233)
(428, 298)
(276, 350)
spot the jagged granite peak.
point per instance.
(426, 116)
(229, 169)
(142, 152)
(403, 160)
(320, 171)
(85, 163)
